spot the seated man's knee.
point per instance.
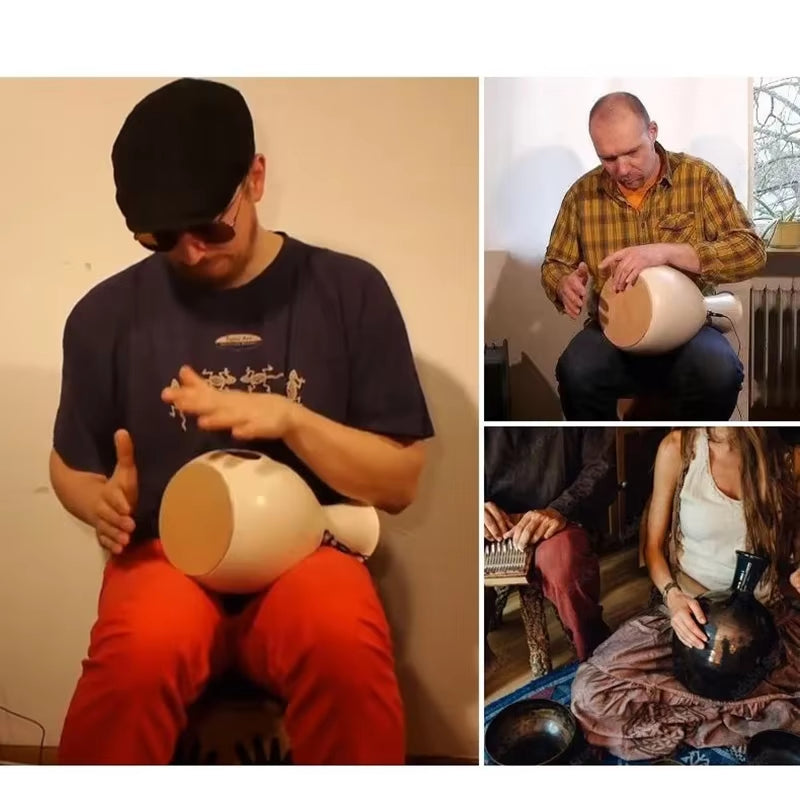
(147, 660)
(558, 557)
(347, 654)
(722, 376)
(581, 365)
(709, 366)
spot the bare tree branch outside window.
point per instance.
(776, 144)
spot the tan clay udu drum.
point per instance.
(662, 311)
(235, 520)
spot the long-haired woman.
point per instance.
(715, 491)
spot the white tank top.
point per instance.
(712, 524)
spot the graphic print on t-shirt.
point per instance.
(219, 380)
(252, 380)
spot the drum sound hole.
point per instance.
(244, 454)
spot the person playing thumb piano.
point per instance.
(545, 489)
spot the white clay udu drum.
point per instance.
(661, 311)
(235, 520)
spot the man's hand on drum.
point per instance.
(246, 415)
(571, 290)
(534, 526)
(117, 498)
(623, 266)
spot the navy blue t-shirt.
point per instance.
(320, 327)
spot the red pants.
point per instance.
(570, 573)
(317, 638)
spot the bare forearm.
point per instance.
(360, 465)
(659, 515)
(657, 567)
(76, 491)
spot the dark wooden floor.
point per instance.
(625, 589)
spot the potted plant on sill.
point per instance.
(785, 231)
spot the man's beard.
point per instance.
(217, 271)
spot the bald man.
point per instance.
(644, 207)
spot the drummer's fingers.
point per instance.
(627, 271)
(691, 634)
(633, 274)
(620, 271)
(576, 285)
(682, 634)
(690, 638)
(697, 611)
(609, 262)
(572, 308)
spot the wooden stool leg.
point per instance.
(500, 599)
(489, 624)
(531, 601)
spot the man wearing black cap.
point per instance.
(229, 333)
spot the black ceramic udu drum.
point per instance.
(742, 646)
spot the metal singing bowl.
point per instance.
(530, 732)
(774, 747)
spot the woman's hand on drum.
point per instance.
(685, 612)
(246, 415)
(534, 526)
(571, 290)
(496, 523)
(625, 265)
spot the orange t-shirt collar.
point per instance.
(635, 197)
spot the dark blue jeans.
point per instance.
(701, 380)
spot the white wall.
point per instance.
(536, 143)
(384, 169)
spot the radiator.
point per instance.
(775, 349)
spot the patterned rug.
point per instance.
(557, 686)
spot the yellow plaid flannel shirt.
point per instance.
(691, 203)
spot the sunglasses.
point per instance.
(214, 232)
